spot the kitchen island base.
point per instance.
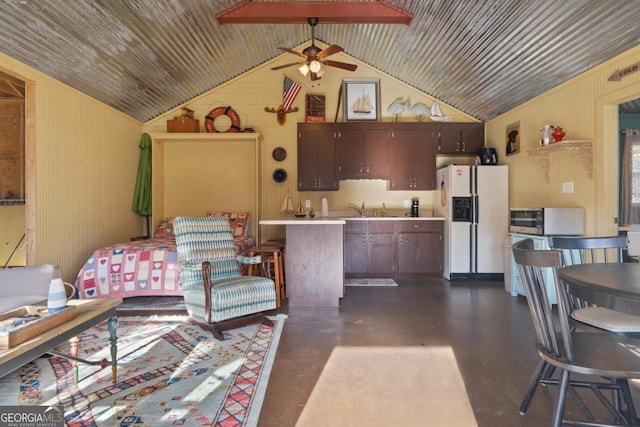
(315, 258)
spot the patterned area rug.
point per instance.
(170, 373)
(369, 282)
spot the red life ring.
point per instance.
(227, 111)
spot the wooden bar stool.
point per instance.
(271, 267)
(281, 244)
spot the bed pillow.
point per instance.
(165, 229)
(239, 221)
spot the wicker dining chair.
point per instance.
(216, 295)
(605, 361)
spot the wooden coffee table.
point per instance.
(89, 312)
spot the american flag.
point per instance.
(290, 92)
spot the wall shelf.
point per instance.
(582, 148)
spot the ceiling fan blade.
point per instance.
(343, 65)
(286, 49)
(314, 76)
(288, 65)
(334, 48)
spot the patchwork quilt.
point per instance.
(138, 268)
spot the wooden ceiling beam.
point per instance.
(297, 12)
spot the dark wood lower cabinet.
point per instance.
(388, 248)
(355, 245)
(420, 247)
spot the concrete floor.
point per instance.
(490, 332)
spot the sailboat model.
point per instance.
(362, 105)
(287, 206)
(436, 114)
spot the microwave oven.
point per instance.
(547, 221)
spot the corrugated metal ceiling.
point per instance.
(145, 57)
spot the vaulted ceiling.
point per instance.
(484, 57)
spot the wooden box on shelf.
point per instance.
(24, 323)
(183, 126)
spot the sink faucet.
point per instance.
(360, 210)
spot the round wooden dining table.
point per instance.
(614, 285)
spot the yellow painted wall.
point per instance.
(261, 87)
(586, 108)
(86, 157)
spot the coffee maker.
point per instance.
(414, 207)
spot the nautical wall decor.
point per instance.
(361, 99)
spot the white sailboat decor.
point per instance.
(436, 114)
(287, 206)
(362, 104)
(361, 99)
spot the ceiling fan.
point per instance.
(314, 57)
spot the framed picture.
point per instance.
(361, 99)
(512, 135)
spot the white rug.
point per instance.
(370, 282)
(389, 386)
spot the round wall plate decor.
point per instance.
(279, 154)
(279, 175)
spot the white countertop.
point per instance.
(290, 220)
(395, 218)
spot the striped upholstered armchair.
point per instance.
(216, 295)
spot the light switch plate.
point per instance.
(567, 187)
(307, 204)
(406, 203)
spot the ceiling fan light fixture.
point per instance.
(304, 69)
(315, 66)
(320, 73)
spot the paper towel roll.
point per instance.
(325, 207)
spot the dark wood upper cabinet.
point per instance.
(403, 153)
(317, 158)
(460, 138)
(413, 159)
(363, 153)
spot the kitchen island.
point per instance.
(315, 259)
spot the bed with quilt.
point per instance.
(146, 267)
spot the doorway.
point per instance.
(13, 176)
(629, 166)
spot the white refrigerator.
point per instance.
(475, 202)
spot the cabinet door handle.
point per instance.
(361, 168)
(368, 168)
